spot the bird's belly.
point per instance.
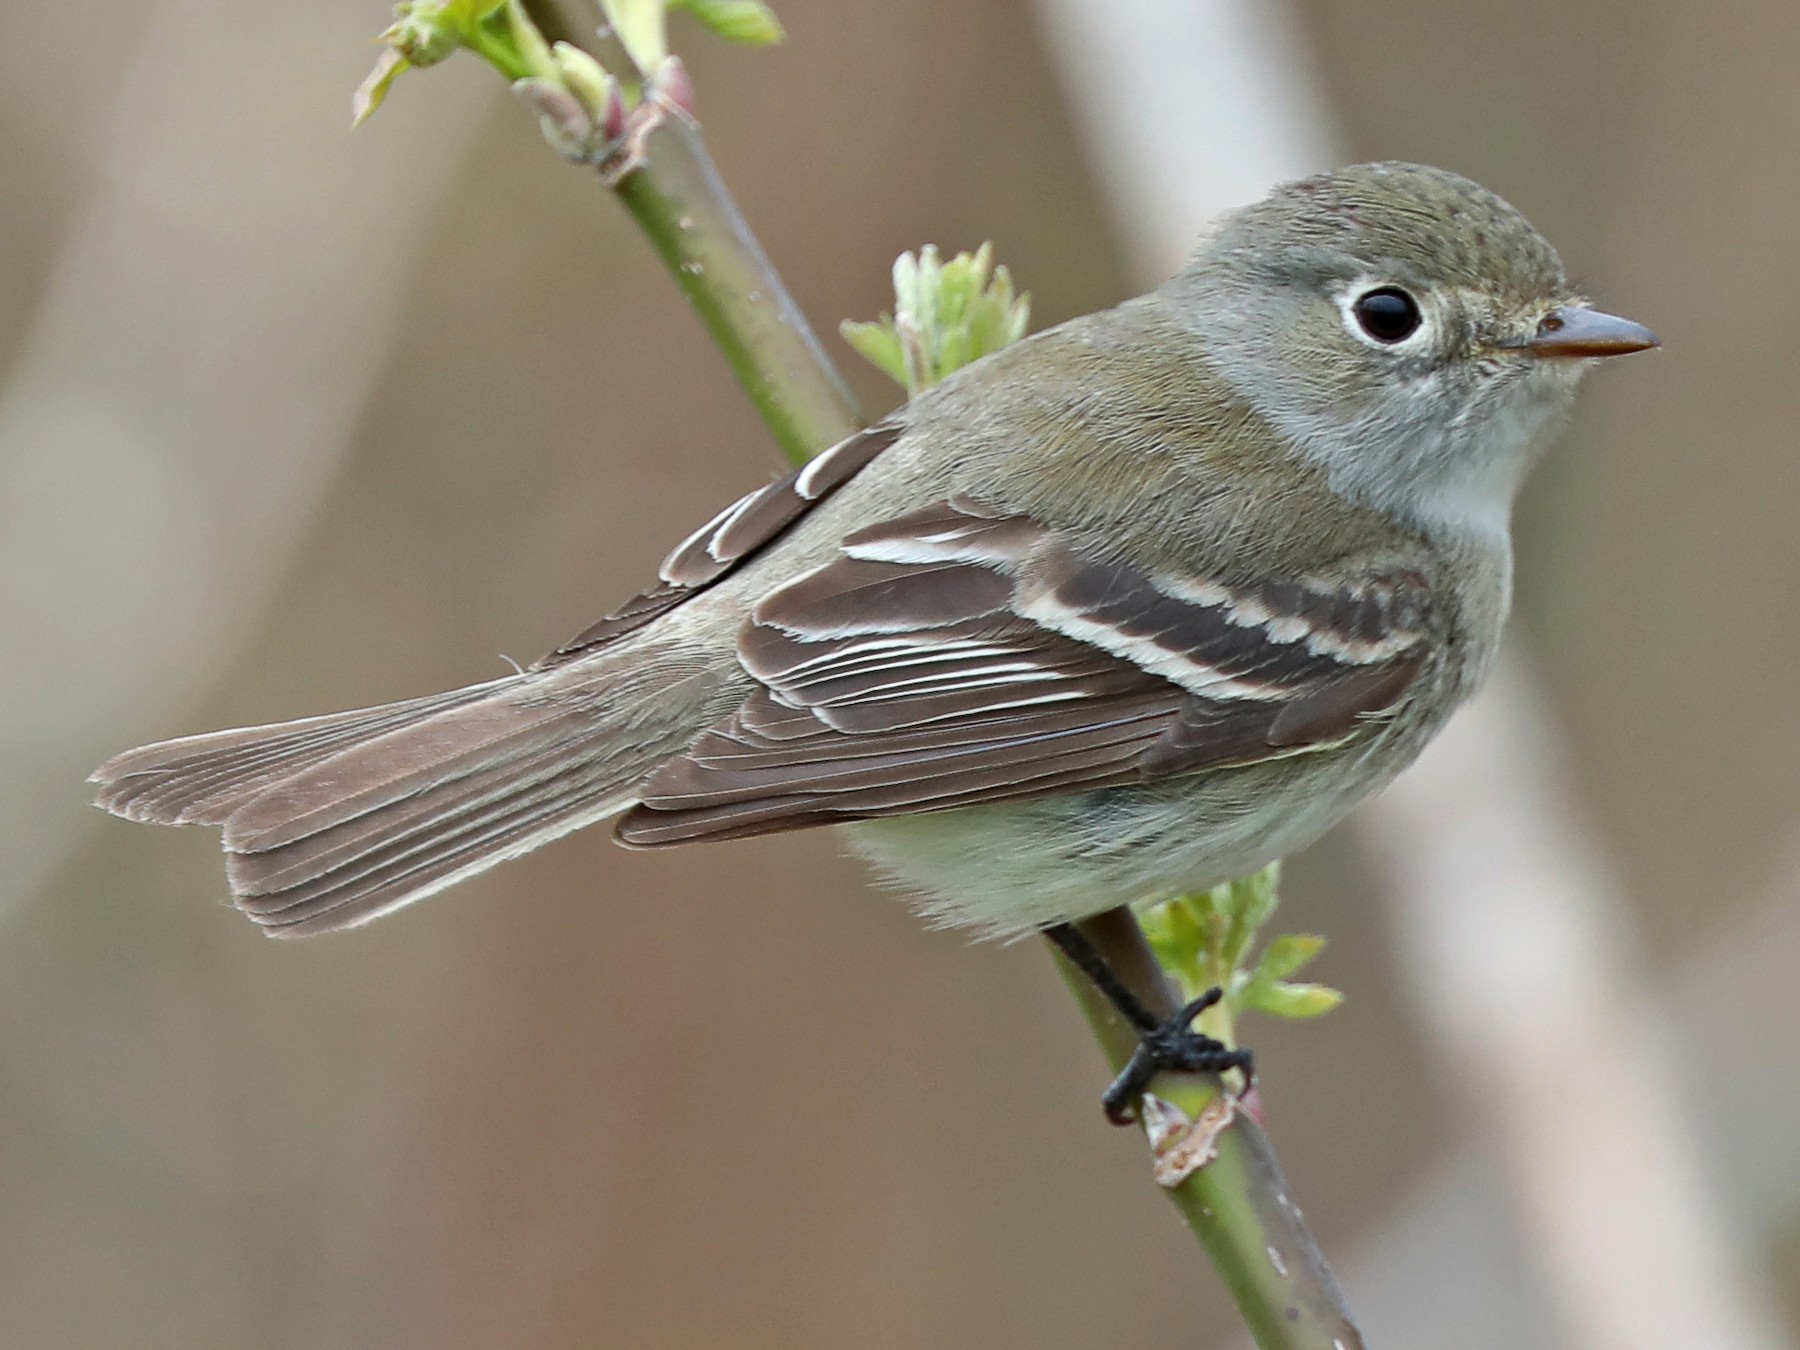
(1016, 866)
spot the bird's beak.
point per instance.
(1574, 331)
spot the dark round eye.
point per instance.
(1387, 314)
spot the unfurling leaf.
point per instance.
(389, 66)
(747, 21)
(1286, 954)
(1281, 999)
(946, 315)
(879, 345)
(1206, 938)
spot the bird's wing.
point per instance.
(956, 656)
(731, 537)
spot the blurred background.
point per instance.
(293, 420)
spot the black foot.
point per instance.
(1174, 1045)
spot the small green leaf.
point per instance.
(1287, 954)
(878, 344)
(1157, 921)
(389, 66)
(1178, 942)
(746, 21)
(1257, 893)
(1281, 999)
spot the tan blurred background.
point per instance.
(292, 419)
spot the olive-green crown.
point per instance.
(1393, 215)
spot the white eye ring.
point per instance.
(1385, 316)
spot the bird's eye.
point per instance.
(1387, 314)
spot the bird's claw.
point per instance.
(1174, 1045)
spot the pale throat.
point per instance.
(1445, 464)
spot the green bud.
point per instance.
(585, 78)
(564, 122)
(946, 314)
(424, 32)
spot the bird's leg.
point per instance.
(1173, 1044)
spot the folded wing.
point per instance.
(958, 656)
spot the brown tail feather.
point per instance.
(199, 780)
(333, 821)
(441, 854)
(399, 768)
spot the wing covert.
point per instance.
(956, 656)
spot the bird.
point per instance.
(1130, 607)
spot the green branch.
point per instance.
(676, 195)
(609, 95)
(1218, 1168)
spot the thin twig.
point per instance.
(685, 210)
(1238, 1203)
(678, 198)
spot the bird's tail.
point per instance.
(332, 821)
